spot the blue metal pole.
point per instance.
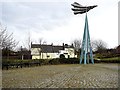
(90, 48)
(86, 46)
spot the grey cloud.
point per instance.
(45, 15)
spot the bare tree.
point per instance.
(41, 41)
(77, 44)
(6, 40)
(27, 43)
(99, 45)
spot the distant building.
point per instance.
(50, 51)
(118, 49)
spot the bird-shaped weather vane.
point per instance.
(79, 9)
(86, 49)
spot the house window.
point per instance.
(65, 53)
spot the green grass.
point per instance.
(109, 60)
(113, 58)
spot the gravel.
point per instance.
(62, 76)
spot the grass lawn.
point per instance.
(114, 58)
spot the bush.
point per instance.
(43, 61)
(20, 63)
(54, 61)
(69, 61)
(64, 61)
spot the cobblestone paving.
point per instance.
(62, 76)
(0, 79)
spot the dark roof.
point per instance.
(57, 48)
(118, 47)
(68, 46)
(24, 52)
(47, 48)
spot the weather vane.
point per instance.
(86, 49)
(79, 9)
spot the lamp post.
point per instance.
(86, 50)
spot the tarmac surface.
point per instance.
(62, 76)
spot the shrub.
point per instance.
(54, 61)
(69, 61)
(43, 61)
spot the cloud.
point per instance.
(54, 20)
(30, 14)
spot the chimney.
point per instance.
(72, 45)
(63, 46)
(31, 45)
(52, 44)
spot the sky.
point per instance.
(54, 21)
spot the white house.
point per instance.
(50, 51)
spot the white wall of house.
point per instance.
(71, 52)
(36, 55)
(46, 56)
(68, 52)
(35, 51)
(64, 53)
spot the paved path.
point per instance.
(62, 76)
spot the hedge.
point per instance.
(38, 62)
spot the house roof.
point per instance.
(57, 48)
(118, 47)
(47, 48)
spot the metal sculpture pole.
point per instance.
(86, 50)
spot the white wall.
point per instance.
(45, 56)
(35, 51)
(68, 52)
